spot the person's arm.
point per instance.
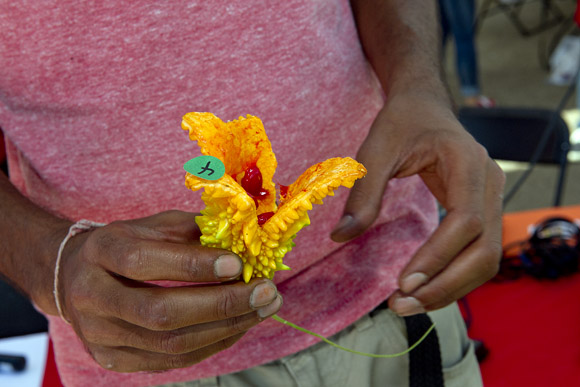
(30, 240)
(125, 323)
(417, 132)
(401, 41)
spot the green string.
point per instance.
(285, 322)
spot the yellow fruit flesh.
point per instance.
(230, 219)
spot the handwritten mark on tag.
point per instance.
(205, 167)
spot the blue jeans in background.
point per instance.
(457, 19)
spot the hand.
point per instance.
(418, 135)
(129, 325)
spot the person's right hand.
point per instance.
(130, 325)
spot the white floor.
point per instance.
(34, 348)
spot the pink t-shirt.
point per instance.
(91, 100)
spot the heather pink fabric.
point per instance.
(91, 99)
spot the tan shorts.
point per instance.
(383, 332)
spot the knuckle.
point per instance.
(491, 263)
(501, 176)
(107, 237)
(191, 265)
(438, 256)
(107, 242)
(181, 361)
(171, 342)
(495, 251)
(77, 295)
(154, 314)
(176, 362)
(441, 296)
(192, 358)
(491, 270)
(226, 305)
(238, 324)
(80, 294)
(92, 333)
(131, 261)
(473, 223)
(358, 194)
(480, 151)
(497, 174)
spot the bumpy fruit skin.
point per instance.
(230, 219)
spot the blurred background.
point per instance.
(527, 327)
(514, 71)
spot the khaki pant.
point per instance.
(382, 332)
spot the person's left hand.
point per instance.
(416, 134)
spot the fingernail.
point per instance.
(263, 294)
(413, 281)
(344, 222)
(271, 309)
(228, 266)
(407, 306)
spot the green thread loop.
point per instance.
(285, 322)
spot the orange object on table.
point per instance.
(517, 226)
(529, 325)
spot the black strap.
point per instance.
(425, 369)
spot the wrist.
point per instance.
(420, 101)
(422, 86)
(79, 227)
(30, 240)
(39, 285)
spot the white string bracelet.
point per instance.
(79, 227)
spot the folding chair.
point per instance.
(514, 134)
(550, 15)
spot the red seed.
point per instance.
(263, 218)
(252, 181)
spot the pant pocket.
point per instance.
(464, 373)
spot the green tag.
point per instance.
(205, 167)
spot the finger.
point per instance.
(462, 225)
(170, 226)
(125, 359)
(163, 309)
(472, 267)
(461, 278)
(365, 197)
(114, 333)
(150, 260)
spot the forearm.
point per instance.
(30, 240)
(402, 42)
